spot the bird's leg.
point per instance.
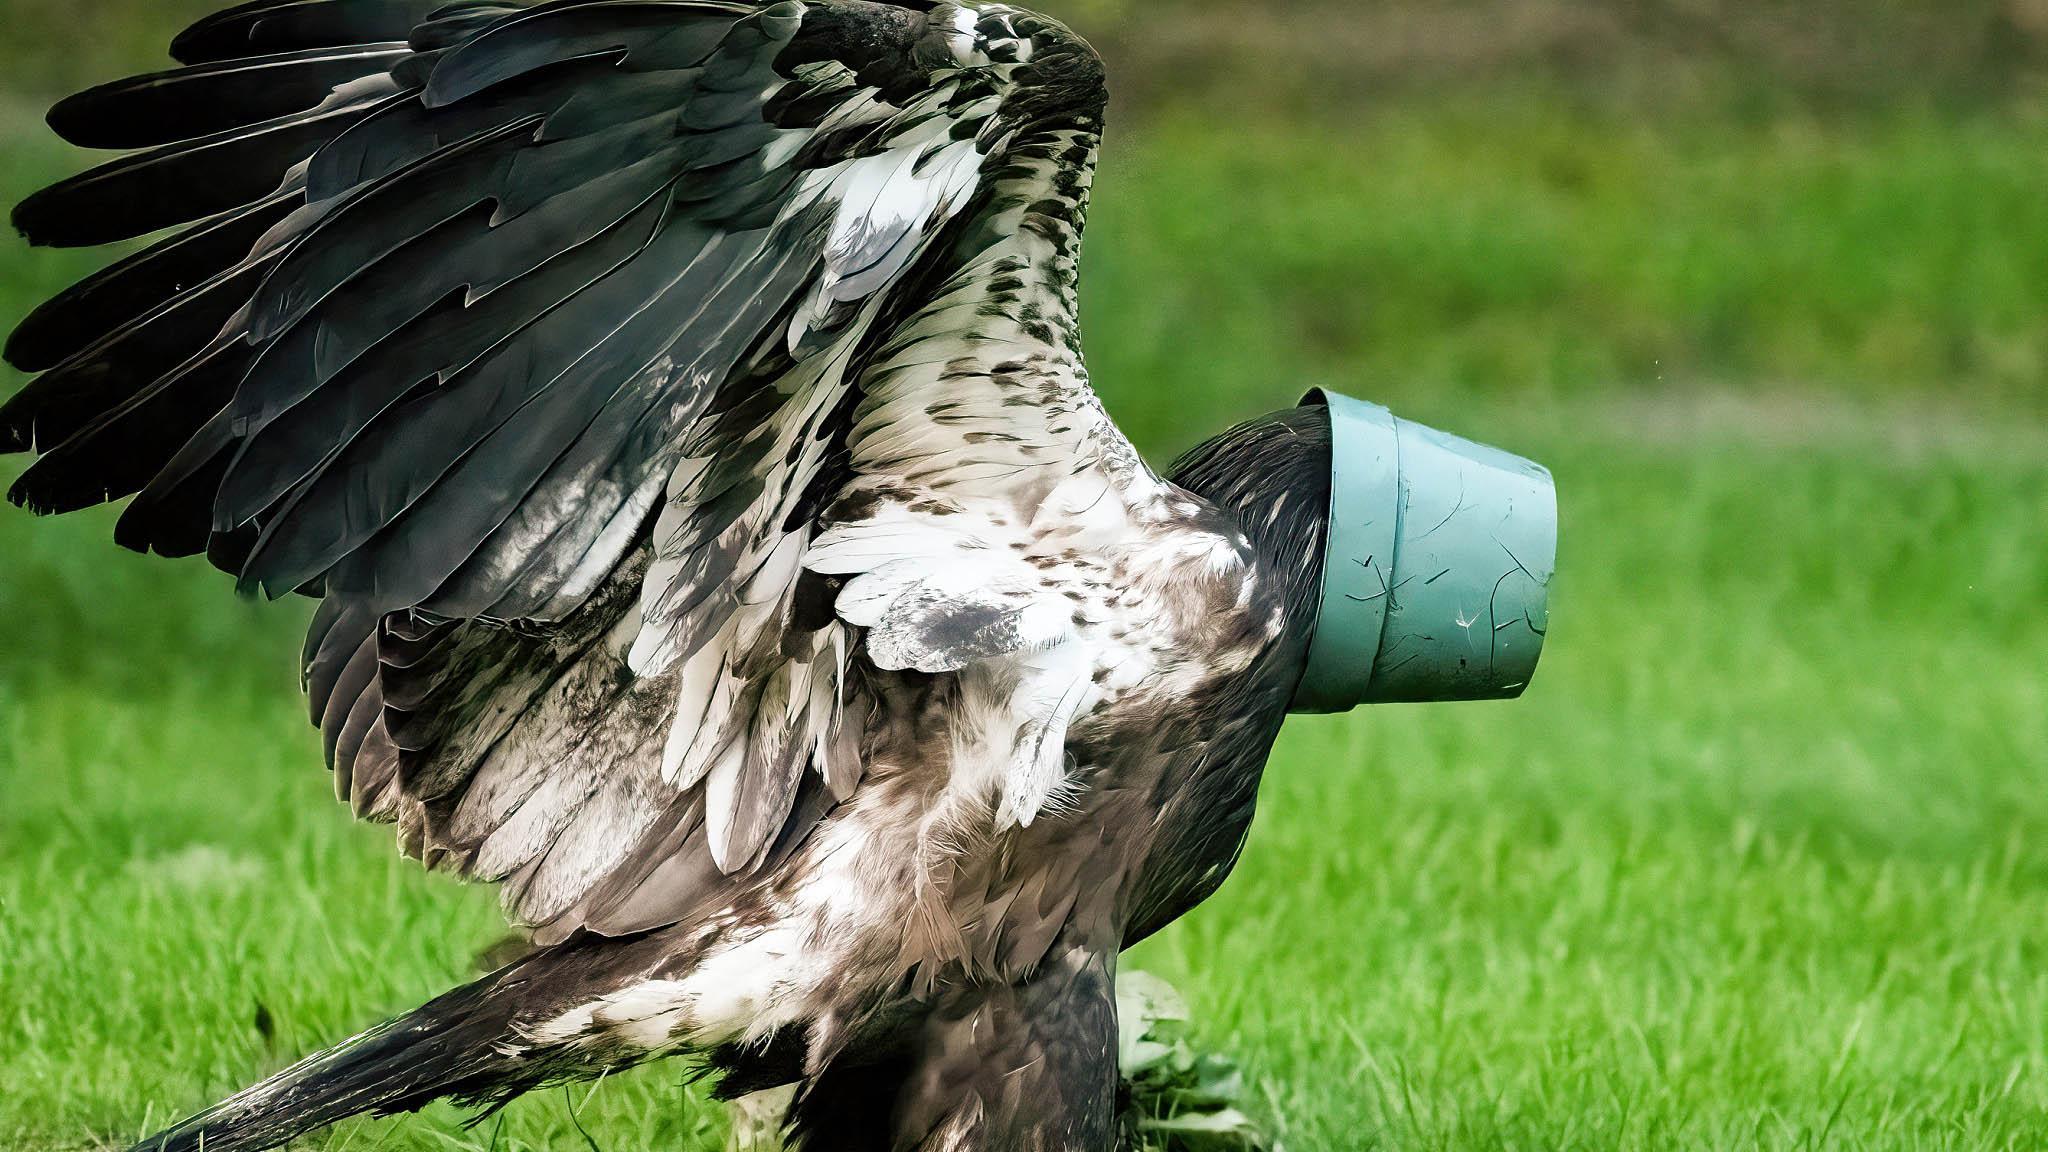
(1028, 1067)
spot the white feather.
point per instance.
(721, 794)
(1052, 694)
(701, 679)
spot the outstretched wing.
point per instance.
(628, 377)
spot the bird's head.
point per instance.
(1415, 565)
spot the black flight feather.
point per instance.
(173, 514)
(125, 447)
(179, 183)
(670, 37)
(164, 107)
(381, 220)
(285, 446)
(83, 313)
(455, 515)
(100, 379)
(272, 26)
(398, 458)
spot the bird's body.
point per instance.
(678, 408)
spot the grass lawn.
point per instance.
(1762, 862)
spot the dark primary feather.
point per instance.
(96, 381)
(270, 26)
(85, 312)
(133, 443)
(178, 183)
(177, 105)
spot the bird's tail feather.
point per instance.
(461, 1044)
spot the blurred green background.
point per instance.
(1762, 860)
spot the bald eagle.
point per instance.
(677, 409)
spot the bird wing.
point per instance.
(628, 378)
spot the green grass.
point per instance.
(1513, 247)
(1762, 862)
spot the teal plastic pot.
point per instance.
(1436, 573)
